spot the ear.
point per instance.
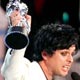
(44, 55)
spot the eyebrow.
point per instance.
(68, 51)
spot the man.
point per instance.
(54, 47)
(74, 68)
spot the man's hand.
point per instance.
(16, 18)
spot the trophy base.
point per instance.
(16, 39)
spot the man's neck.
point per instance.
(47, 72)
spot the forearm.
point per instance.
(2, 48)
(3, 28)
(2, 53)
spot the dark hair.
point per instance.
(52, 37)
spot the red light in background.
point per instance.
(38, 5)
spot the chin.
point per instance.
(64, 74)
(61, 74)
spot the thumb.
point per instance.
(28, 17)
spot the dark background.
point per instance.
(49, 11)
(43, 11)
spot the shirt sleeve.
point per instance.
(15, 65)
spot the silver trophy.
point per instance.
(17, 37)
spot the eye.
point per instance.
(74, 53)
(64, 53)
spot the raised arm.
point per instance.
(15, 64)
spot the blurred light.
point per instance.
(39, 5)
(65, 17)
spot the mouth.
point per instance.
(65, 68)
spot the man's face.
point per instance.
(60, 62)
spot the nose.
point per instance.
(70, 58)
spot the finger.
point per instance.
(28, 17)
(15, 19)
(15, 23)
(14, 13)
